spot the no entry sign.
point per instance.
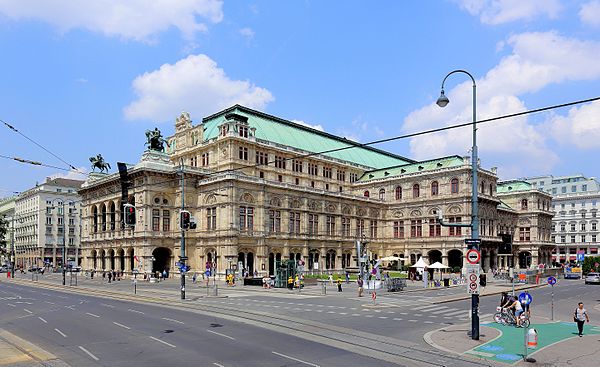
(473, 256)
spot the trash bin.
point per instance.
(446, 282)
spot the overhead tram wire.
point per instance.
(39, 145)
(34, 163)
(352, 145)
(410, 135)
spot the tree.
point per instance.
(589, 264)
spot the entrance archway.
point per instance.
(130, 255)
(161, 256)
(524, 259)
(111, 255)
(271, 263)
(313, 258)
(121, 254)
(94, 259)
(434, 256)
(103, 259)
(455, 259)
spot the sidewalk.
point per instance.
(500, 345)
(17, 352)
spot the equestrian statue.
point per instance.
(155, 140)
(98, 162)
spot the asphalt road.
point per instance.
(89, 331)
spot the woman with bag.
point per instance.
(580, 316)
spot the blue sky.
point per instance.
(90, 77)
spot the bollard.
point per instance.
(530, 336)
(324, 288)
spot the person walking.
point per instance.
(109, 276)
(339, 284)
(290, 283)
(360, 283)
(580, 316)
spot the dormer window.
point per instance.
(243, 130)
(224, 130)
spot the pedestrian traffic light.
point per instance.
(129, 214)
(184, 219)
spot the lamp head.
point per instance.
(443, 100)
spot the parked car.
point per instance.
(592, 278)
(35, 269)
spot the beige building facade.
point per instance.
(263, 189)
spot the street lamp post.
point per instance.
(182, 257)
(443, 102)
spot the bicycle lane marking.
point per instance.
(508, 346)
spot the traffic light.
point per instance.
(129, 214)
(184, 219)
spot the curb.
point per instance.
(461, 298)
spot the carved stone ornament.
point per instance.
(247, 197)
(346, 210)
(275, 201)
(361, 212)
(374, 213)
(454, 209)
(415, 213)
(211, 199)
(331, 208)
(524, 221)
(294, 203)
(398, 214)
(183, 121)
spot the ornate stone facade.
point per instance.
(259, 192)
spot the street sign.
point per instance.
(551, 280)
(473, 243)
(473, 279)
(473, 256)
(525, 298)
(580, 256)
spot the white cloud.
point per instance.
(247, 33)
(80, 174)
(194, 84)
(495, 12)
(316, 127)
(537, 60)
(589, 13)
(132, 19)
(580, 128)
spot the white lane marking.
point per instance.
(70, 307)
(136, 311)
(89, 353)
(428, 307)
(223, 335)
(428, 322)
(382, 317)
(412, 320)
(177, 321)
(295, 359)
(121, 325)
(26, 310)
(91, 314)
(61, 333)
(44, 321)
(397, 319)
(164, 342)
(454, 313)
(105, 305)
(11, 305)
(50, 303)
(218, 365)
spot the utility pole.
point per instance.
(12, 252)
(64, 269)
(182, 257)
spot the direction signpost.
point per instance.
(473, 268)
(552, 281)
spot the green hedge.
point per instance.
(589, 264)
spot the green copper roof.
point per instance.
(512, 186)
(445, 162)
(503, 205)
(275, 129)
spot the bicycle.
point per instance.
(505, 317)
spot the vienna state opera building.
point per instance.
(262, 189)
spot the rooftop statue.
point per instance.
(155, 140)
(98, 162)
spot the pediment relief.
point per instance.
(454, 209)
(275, 201)
(374, 213)
(247, 198)
(346, 210)
(295, 203)
(361, 212)
(524, 221)
(210, 199)
(314, 205)
(398, 214)
(331, 208)
(415, 213)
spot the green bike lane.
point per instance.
(508, 347)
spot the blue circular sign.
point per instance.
(551, 280)
(525, 298)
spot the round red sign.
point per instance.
(473, 256)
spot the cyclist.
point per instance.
(518, 309)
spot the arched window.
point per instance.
(454, 186)
(491, 190)
(416, 191)
(382, 194)
(398, 193)
(367, 194)
(482, 186)
(435, 188)
(524, 204)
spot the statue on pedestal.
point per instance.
(98, 162)
(155, 140)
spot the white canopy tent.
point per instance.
(392, 258)
(420, 264)
(438, 265)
